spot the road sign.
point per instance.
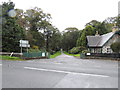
(24, 42)
(24, 45)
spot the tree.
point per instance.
(82, 41)
(69, 38)
(101, 27)
(115, 47)
(11, 31)
(35, 23)
(110, 20)
(55, 40)
(76, 50)
(38, 29)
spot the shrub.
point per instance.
(77, 50)
(52, 52)
(33, 50)
(85, 51)
(35, 47)
(115, 47)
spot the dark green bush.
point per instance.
(33, 50)
(85, 51)
(77, 50)
(115, 47)
(52, 52)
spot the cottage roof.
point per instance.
(99, 41)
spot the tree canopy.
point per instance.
(11, 31)
(69, 38)
(35, 26)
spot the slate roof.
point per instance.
(99, 41)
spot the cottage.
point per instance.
(101, 43)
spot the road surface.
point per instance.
(61, 72)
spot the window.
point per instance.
(109, 50)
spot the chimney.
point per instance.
(114, 28)
(97, 34)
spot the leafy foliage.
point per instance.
(76, 55)
(55, 40)
(35, 26)
(89, 30)
(115, 47)
(77, 50)
(11, 31)
(85, 51)
(69, 38)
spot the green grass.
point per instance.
(3, 57)
(55, 55)
(76, 55)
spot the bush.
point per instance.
(115, 47)
(85, 51)
(52, 52)
(34, 49)
(77, 50)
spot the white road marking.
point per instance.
(66, 72)
(0, 64)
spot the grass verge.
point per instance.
(76, 55)
(3, 57)
(55, 55)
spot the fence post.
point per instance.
(48, 55)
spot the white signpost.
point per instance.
(24, 43)
(43, 54)
(88, 53)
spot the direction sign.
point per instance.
(24, 45)
(24, 42)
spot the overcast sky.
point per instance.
(72, 13)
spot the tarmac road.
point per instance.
(61, 72)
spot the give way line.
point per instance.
(66, 72)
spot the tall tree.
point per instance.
(11, 31)
(34, 21)
(54, 39)
(69, 38)
(89, 30)
(101, 27)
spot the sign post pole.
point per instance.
(21, 52)
(21, 49)
(27, 48)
